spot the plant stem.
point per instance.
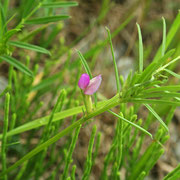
(4, 138)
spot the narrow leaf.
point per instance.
(10, 33)
(4, 138)
(163, 88)
(140, 49)
(29, 47)
(5, 7)
(62, 4)
(172, 73)
(83, 61)
(166, 65)
(88, 163)
(114, 61)
(173, 174)
(159, 94)
(152, 68)
(164, 38)
(2, 20)
(172, 32)
(131, 123)
(155, 101)
(17, 64)
(48, 19)
(9, 20)
(157, 116)
(70, 152)
(28, 6)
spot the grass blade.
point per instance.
(131, 123)
(166, 65)
(157, 116)
(29, 47)
(28, 6)
(114, 61)
(62, 4)
(140, 49)
(172, 73)
(155, 101)
(152, 68)
(17, 64)
(48, 19)
(73, 171)
(163, 88)
(70, 152)
(172, 32)
(88, 163)
(164, 37)
(4, 138)
(5, 7)
(83, 61)
(159, 94)
(2, 20)
(173, 174)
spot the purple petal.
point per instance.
(93, 85)
(84, 81)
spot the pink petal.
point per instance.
(93, 85)
(84, 81)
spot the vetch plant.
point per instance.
(43, 133)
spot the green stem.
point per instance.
(4, 138)
(88, 103)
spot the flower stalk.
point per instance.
(88, 103)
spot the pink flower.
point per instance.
(89, 86)
(84, 81)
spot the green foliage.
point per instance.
(88, 163)
(17, 64)
(174, 174)
(140, 49)
(28, 46)
(114, 61)
(6, 35)
(164, 37)
(170, 36)
(157, 116)
(4, 137)
(69, 155)
(59, 4)
(45, 20)
(141, 129)
(37, 111)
